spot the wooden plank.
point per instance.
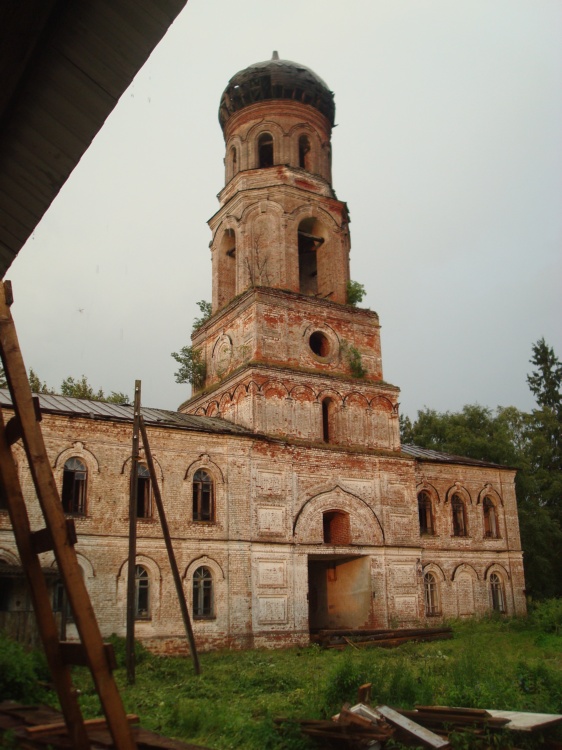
(60, 727)
(413, 730)
(523, 721)
(131, 561)
(65, 554)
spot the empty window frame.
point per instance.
(327, 420)
(425, 513)
(431, 595)
(233, 161)
(144, 493)
(265, 150)
(336, 527)
(203, 595)
(490, 518)
(74, 479)
(459, 516)
(203, 497)
(304, 153)
(142, 593)
(498, 596)
(309, 243)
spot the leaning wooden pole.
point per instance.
(131, 562)
(169, 547)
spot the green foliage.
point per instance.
(206, 309)
(355, 293)
(354, 359)
(76, 389)
(547, 615)
(192, 366)
(37, 385)
(20, 672)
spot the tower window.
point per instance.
(203, 604)
(459, 516)
(336, 527)
(233, 161)
(203, 505)
(142, 593)
(425, 513)
(327, 420)
(309, 241)
(490, 519)
(498, 598)
(304, 152)
(320, 344)
(74, 487)
(265, 150)
(144, 493)
(431, 595)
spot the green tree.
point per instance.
(206, 309)
(355, 293)
(37, 385)
(192, 366)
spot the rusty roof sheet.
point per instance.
(426, 454)
(81, 407)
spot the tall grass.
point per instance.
(504, 664)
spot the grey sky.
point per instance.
(447, 151)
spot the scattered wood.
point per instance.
(364, 693)
(445, 718)
(411, 730)
(523, 721)
(339, 639)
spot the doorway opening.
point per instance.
(339, 592)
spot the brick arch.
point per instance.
(142, 460)
(330, 393)
(204, 462)
(225, 401)
(489, 491)
(200, 412)
(274, 388)
(356, 399)
(9, 557)
(465, 568)
(307, 211)
(273, 208)
(302, 392)
(229, 222)
(496, 567)
(80, 451)
(432, 567)
(458, 489)
(208, 562)
(264, 126)
(84, 562)
(366, 528)
(382, 401)
(429, 488)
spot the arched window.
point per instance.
(498, 598)
(490, 519)
(144, 493)
(203, 497)
(304, 152)
(142, 593)
(233, 161)
(336, 527)
(203, 598)
(327, 420)
(309, 243)
(431, 595)
(425, 513)
(74, 478)
(459, 516)
(265, 150)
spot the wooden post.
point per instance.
(171, 556)
(131, 563)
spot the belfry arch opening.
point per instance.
(310, 240)
(265, 150)
(304, 153)
(227, 267)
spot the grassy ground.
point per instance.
(504, 664)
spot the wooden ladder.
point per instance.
(60, 537)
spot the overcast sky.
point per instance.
(447, 151)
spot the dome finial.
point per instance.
(275, 55)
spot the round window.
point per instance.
(319, 343)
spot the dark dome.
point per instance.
(276, 79)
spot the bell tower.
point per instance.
(283, 353)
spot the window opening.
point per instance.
(202, 496)
(336, 527)
(327, 419)
(498, 599)
(144, 493)
(459, 516)
(431, 595)
(320, 344)
(74, 487)
(142, 593)
(304, 152)
(203, 605)
(234, 160)
(265, 150)
(3, 497)
(490, 519)
(308, 243)
(425, 513)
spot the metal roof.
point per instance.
(63, 67)
(81, 407)
(426, 454)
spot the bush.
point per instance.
(547, 616)
(21, 672)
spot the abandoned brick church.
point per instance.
(291, 503)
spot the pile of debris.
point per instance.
(363, 726)
(339, 639)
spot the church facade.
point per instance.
(292, 505)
